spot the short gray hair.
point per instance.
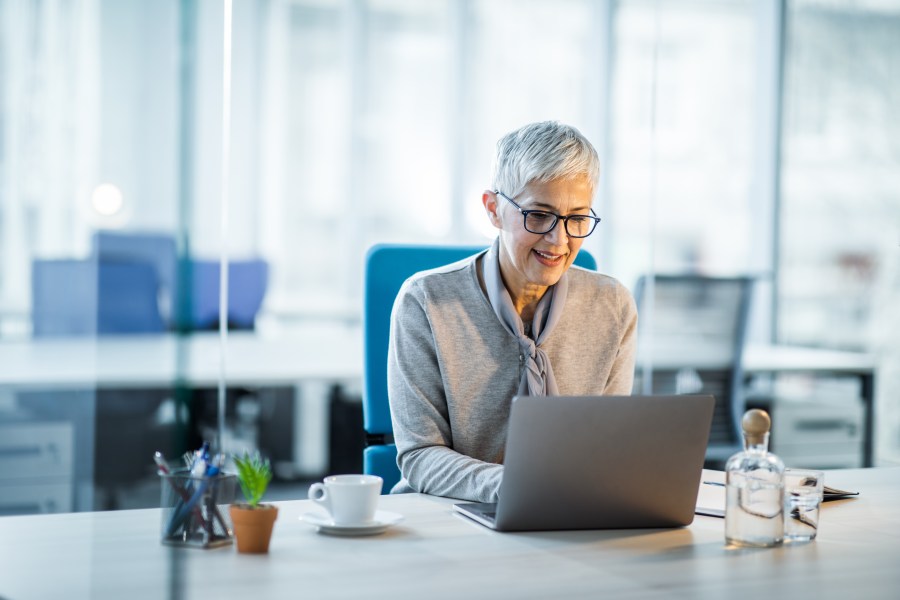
(543, 152)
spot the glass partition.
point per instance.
(839, 242)
(739, 139)
(91, 162)
(682, 160)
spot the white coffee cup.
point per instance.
(349, 499)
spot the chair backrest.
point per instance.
(90, 297)
(156, 249)
(387, 267)
(701, 320)
(247, 283)
(247, 279)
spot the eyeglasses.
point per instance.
(541, 221)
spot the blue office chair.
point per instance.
(387, 267)
(701, 316)
(247, 282)
(156, 249)
(94, 297)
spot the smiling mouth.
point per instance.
(550, 260)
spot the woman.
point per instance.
(515, 319)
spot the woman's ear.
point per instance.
(489, 200)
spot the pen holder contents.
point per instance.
(195, 509)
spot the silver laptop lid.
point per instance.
(598, 462)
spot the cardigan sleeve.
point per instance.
(419, 412)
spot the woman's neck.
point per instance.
(526, 300)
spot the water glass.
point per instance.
(802, 498)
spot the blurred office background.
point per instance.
(739, 138)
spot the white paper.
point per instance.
(711, 496)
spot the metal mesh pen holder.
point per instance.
(195, 510)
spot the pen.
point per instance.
(218, 462)
(714, 483)
(181, 510)
(163, 469)
(211, 470)
(163, 466)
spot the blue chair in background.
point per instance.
(247, 282)
(156, 249)
(387, 267)
(131, 284)
(93, 297)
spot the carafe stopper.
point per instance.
(756, 424)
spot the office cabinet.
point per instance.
(36, 467)
(818, 433)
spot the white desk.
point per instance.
(764, 358)
(437, 554)
(141, 361)
(813, 360)
(327, 352)
(310, 359)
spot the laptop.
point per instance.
(599, 462)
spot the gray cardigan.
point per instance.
(453, 371)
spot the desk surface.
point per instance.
(437, 554)
(316, 352)
(330, 353)
(766, 358)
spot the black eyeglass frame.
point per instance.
(556, 218)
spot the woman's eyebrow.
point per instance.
(549, 207)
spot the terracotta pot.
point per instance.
(253, 526)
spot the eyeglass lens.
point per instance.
(542, 222)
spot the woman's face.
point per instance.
(532, 259)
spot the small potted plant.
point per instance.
(252, 520)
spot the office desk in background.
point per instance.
(435, 553)
(324, 352)
(309, 364)
(309, 360)
(861, 366)
(777, 360)
(138, 361)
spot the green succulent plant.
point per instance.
(254, 474)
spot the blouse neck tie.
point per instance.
(537, 376)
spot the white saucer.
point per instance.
(323, 522)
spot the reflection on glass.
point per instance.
(682, 137)
(839, 275)
(375, 121)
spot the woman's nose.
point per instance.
(558, 235)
